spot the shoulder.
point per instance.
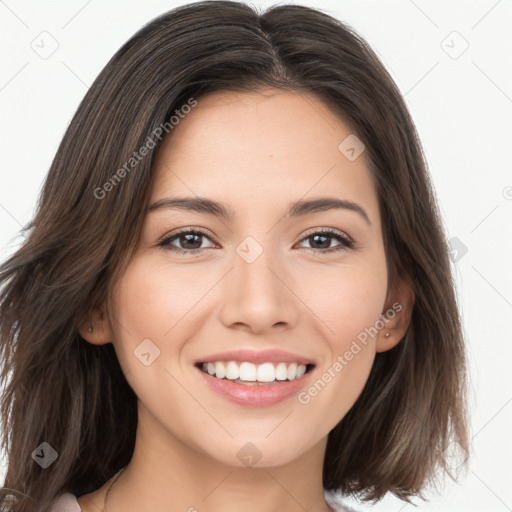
(335, 500)
(66, 502)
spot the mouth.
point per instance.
(251, 374)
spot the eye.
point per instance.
(190, 237)
(324, 237)
(190, 240)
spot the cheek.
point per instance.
(347, 300)
(348, 308)
(160, 303)
(153, 314)
(152, 300)
(339, 384)
(147, 307)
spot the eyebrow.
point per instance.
(297, 209)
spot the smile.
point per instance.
(254, 374)
(255, 385)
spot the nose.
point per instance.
(259, 295)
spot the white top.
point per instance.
(67, 502)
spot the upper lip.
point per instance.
(257, 357)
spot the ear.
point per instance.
(397, 311)
(95, 327)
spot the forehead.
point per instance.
(256, 148)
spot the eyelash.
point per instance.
(345, 241)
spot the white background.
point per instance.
(462, 108)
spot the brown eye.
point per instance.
(321, 241)
(189, 241)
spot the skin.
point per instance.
(257, 153)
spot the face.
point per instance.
(259, 279)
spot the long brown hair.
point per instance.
(71, 394)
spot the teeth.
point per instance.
(265, 372)
(219, 370)
(281, 371)
(301, 370)
(292, 371)
(232, 370)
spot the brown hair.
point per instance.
(73, 395)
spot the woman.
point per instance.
(255, 369)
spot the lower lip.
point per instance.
(255, 395)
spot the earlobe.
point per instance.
(387, 341)
(95, 327)
(398, 316)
